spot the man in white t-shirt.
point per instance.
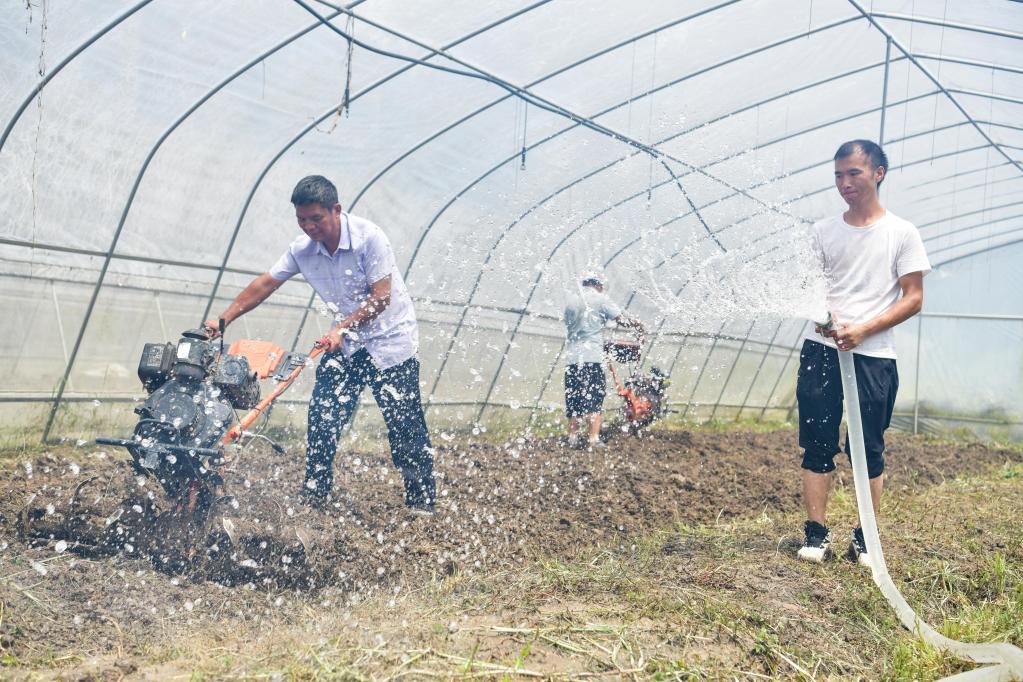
(874, 264)
(587, 312)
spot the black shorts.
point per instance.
(585, 388)
(819, 394)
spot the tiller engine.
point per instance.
(642, 395)
(186, 438)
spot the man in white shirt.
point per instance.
(587, 312)
(874, 264)
(374, 339)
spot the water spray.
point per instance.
(1008, 659)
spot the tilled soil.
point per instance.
(499, 505)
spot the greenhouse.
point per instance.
(678, 152)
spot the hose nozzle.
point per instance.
(828, 324)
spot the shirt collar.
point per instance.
(347, 241)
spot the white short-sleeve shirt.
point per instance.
(343, 279)
(862, 267)
(587, 312)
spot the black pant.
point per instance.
(339, 381)
(819, 394)
(585, 389)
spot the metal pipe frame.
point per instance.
(127, 208)
(550, 373)
(330, 112)
(703, 368)
(110, 253)
(603, 112)
(728, 377)
(871, 18)
(664, 261)
(777, 381)
(512, 158)
(60, 67)
(756, 374)
(974, 226)
(1004, 233)
(945, 24)
(504, 232)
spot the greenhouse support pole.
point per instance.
(731, 370)
(64, 62)
(760, 366)
(60, 320)
(795, 348)
(931, 77)
(703, 367)
(884, 88)
(916, 377)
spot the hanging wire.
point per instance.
(529, 98)
(525, 122)
(346, 100)
(344, 108)
(941, 53)
(650, 124)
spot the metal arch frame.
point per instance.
(971, 227)
(330, 112)
(547, 379)
(64, 62)
(894, 41)
(621, 250)
(580, 120)
(756, 374)
(948, 24)
(130, 201)
(223, 267)
(1004, 233)
(968, 213)
(565, 68)
(607, 263)
(423, 236)
(979, 252)
(731, 370)
(602, 168)
(882, 108)
(603, 112)
(701, 169)
(83, 47)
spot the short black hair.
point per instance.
(872, 150)
(592, 282)
(314, 189)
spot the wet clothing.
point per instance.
(862, 267)
(343, 279)
(587, 312)
(585, 389)
(339, 382)
(819, 395)
(381, 354)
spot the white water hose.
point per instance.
(1008, 658)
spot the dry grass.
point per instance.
(719, 601)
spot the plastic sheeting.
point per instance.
(150, 176)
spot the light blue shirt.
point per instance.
(587, 312)
(342, 279)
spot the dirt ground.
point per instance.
(499, 506)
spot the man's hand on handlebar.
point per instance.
(334, 340)
(212, 327)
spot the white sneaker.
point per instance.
(817, 543)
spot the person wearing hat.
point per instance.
(587, 312)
